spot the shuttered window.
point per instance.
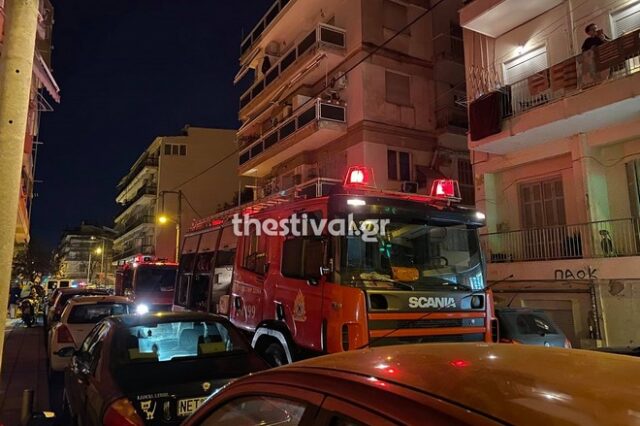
(542, 204)
(525, 65)
(397, 88)
(627, 19)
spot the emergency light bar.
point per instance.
(446, 189)
(360, 176)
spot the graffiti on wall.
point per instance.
(586, 273)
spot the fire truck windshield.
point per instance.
(414, 256)
(154, 279)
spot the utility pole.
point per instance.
(16, 68)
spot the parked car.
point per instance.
(62, 296)
(78, 318)
(435, 384)
(529, 327)
(154, 368)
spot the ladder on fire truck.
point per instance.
(318, 187)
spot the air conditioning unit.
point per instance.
(409, 187)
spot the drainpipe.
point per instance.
(572, 30)
(16, 68)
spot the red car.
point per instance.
(436, 384)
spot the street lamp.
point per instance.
(164, 219)
(89, 265)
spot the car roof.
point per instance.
(134, 320)
(81, 290)
(93, 299)
(508, 382)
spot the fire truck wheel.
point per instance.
(275, 355)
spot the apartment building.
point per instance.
(323, 96)
(42, 82)
(555, 143)
(84, 253)
(174, 179)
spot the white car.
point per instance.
(78, 318)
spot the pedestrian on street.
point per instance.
(14, 296)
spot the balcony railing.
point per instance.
(609, 238)
(612, 60)
(323, 35)
(447, 46)
(448, 117)
(145, 190)
(133, 223)
(257, 31)
(147, 162)
(131, 251)
(315, 112)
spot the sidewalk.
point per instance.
(24, 366)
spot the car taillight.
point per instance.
(64, 335)
(121, 413)
(567, 343)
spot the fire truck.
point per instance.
(420, 280)
(148, 281)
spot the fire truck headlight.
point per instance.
(480, 216)
(142, 309)
(477, 302)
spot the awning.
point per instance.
(45, 77)
(245, 66)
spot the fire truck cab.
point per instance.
(148, 281)
(419, 279)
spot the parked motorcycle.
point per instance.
(28, 309)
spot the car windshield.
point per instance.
(181, 339)
(532, 323)
(414, 256)
(154, 279)
(64, 297)
(93, 313)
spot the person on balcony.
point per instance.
(596, 37)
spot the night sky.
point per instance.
(130, 70)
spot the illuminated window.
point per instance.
(525, 65)
(626, 19)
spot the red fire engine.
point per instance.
(421, 280)
(148, 281)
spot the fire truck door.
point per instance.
(299, 294)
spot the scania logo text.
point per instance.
(432, 302)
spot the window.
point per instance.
(525, 65)
(175, 149)
(257, 410)
(534, 324)
(94, 313)
(398, 165)
(542, 204)
(254, 253)
(394, 16)
(302, 257)
(626, 19)
(397, 88)
(465, 179)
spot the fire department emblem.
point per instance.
(148, 408)
(299, 310)
(206, 386)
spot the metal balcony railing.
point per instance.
(145, 190)
(612, 60)
(447, 46)
(447, 117)
(257, 31)
(315, 112)
(147, 162)
(608, 238)
(322, 35)
(133, 223)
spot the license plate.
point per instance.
(189, 405)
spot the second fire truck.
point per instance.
(420, 280)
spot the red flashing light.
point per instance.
(445, 188)
(391, 370)
(359, 176)
(217, 222)
(459, 363)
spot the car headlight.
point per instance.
(142, 309)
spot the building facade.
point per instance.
(324, 95)
(43, 86)
(84, 254)
(174, 179)
(555, 143)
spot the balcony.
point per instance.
(310, 127)
(589, 91)
(145, 193)
(258, 30)
(452, 119)
(496, 17)
(132, 251)
(126, 185)
(292, 65)
(137, 221)
(610, 238)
